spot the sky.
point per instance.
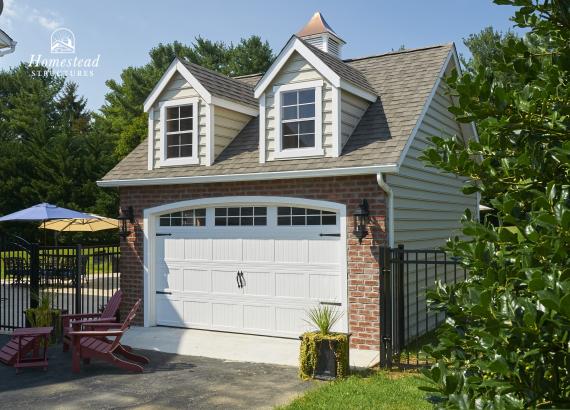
(117, 34)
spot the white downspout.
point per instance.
(390, 196)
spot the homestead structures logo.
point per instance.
(62, 42)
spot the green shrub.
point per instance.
(505, 343)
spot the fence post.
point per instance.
(34, 275)
(398, 295)
(78, 278)
(385, 308)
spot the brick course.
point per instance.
(363, 259)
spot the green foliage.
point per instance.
(486, 47)
(323, 317)
(505, 343)
(51, 152)
(44, 315)
(122, 114)
(309, 353)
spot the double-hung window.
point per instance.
(299, 117)
(179, 126)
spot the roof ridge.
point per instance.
(409, 50)
(247, 75)
(214, 72)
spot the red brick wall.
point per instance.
(363, 264)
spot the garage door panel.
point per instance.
(169, 311)
(227, 249)
(258, 317)
(291, 285)
(258, 250)
(290, 320)
(224, 282)
(291, 251)
(324, 288)
(227, 315)
(174, 249)
(174, 278)
(258, 283)
(198, 313)
(197, 280)
(323, 252)
(198, 249)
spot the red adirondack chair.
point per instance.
(75, 321)
(9, 351)
(95, 343)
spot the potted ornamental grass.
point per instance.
(45, 316)
(324, 354)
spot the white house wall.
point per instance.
(176, 89)
(296, 70)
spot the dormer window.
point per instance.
(179, 126)
(299, 120)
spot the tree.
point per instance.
(122, 114)
(51, 151)
(505, 343)
(485, 47)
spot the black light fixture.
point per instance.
(125, 215)
(361, 216)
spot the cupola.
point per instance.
(318, 33)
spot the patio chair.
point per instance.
(9, 352)
(96, 343)
(109, 314)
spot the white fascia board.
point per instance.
(235, 106)
(293, 45)
(262, 176)
(176, 66)
(345, 85)
(425, 109)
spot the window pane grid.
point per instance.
(292, 216)
(298, 119)
(179, 131)
(190, 217)
(241, 216)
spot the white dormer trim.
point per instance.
(194, 159)
(150, 140)
(317, 150)
(294, 44)
(176, 67)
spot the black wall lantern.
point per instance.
(361, 216)
(125, 215)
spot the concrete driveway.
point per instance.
(170, 381)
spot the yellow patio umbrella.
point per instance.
(99, 223)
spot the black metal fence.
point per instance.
(407, 323)
(75, 279)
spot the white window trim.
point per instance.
(194, 159)
(317, 150)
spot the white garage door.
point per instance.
(248, 269)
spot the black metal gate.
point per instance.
(407, 324)
(75, 279)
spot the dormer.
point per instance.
(310, 100)
(193, 114)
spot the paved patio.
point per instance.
(170, 381)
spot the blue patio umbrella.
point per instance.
(45, 212)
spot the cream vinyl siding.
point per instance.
(297, 70)
(227, 125)
(352, 110)
(428, 206)
(176, 89)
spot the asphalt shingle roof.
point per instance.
(402, 81)
(221, 85)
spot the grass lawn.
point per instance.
(380, 390)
